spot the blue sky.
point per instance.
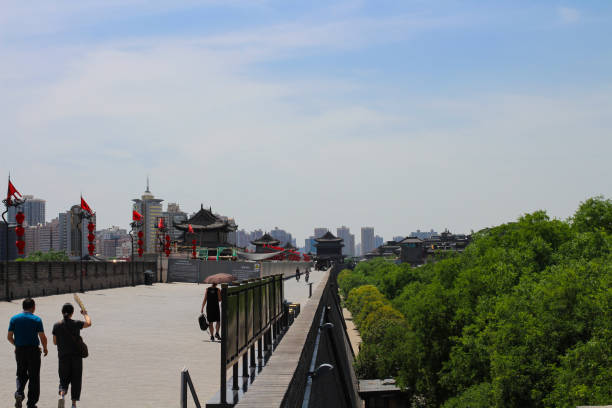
(400, 115)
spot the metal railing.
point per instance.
(251, 315)
(186, 382)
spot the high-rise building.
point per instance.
(33, 209)
(151, 209)
(309, 245)
(367, 240)
(12, 249)
(423, 235)
(320, 231)
(281, 235)
(378, 241)
(349, 240)
(108, 241)
(358, 249)
(174, 216)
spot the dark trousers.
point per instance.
(71, 373)
(28, 369)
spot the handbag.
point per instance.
(83, 350)
(203, 322)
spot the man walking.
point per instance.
(24, 331)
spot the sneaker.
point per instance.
(18, 400)
(218, 337)
(212, 338)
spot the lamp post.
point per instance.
(82, 214)
(8, 203)
(134, 225)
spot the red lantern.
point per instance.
(19, 217)
(140, 242)
(167, 238)
(140, 234)
(194, 254)
(167, 252)
(20, 246)
(193, 242)
(19, 231)
(140, 251)
(91, 237)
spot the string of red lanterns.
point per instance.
(91, 247)
(193, 248)
(167, 246)
(20, 231)
(140, 243)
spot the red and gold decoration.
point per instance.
(167, 245)
(20, 232)
(140, 243)
(91, 247)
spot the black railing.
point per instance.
(251, 313)
(186, 382)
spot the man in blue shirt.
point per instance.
(24, 331)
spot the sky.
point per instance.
(400, 115)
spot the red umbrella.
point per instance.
(220, 278)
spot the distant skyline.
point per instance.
(398, 115)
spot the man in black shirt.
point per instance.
(67, 338)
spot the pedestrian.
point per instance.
(212, 297)
(67, 338)
(297, 274)
(307, 274)
(25, 330)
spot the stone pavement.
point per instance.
(140, 339)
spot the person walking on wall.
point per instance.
(66, 337)
(212, 297)
(24, 332)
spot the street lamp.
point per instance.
(10, 201)
(134, 225)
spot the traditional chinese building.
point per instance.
(263, 245)
(209, 230)
(329, 250)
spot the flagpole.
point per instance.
(6, 271)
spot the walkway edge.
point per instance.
(269, 388)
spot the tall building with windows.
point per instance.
(320, 231)
(367, 240)
(378, 241)
(33, 209)
(349, 240)
(174, 216)
(281, 235)
(151, 209)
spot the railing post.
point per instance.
(235, 377)
(184, 388)
(223, 391)
(310, 290)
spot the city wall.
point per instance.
(195, 270)
(51, 278)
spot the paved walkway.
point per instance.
(140, 340)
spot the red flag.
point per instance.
(190, 230)
(160, 224)
(136, 216)
(11, 192)
(85, 207)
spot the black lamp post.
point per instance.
(134, 225)
(162, 229)
(83, 215)
(8, 203)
